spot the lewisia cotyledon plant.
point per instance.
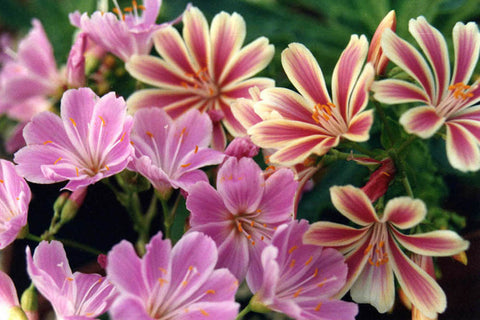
(171, 283)
(242, 214)
(206, 70)
(301, 280)
(90, 141)
(445, 99)
(373, 252)
(298, 125)
(15, 196)
(169, 152)
(72, 295)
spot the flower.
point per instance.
(15, 196)
(373, 252)
(206, 70)
(89, 142)
(9, 304)
(444, 99)
(166, 283)
(128, 34)
(242, 214)
(85, 296)
(301, 280)
(375, 53)
(298, 125)
(169, 152)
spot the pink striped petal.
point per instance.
(468, 114)
(356, 260)
(404, 212)
(418, 286)
(242, 110)
(359, 127)
(297, 151)
(473, 127)
(360, 94)
(375, 286)
(462, 148)
(278, 132)
(422, 121)
(288, 103)
(354, 204)
(434, 46)
(331, 234)
(227, 34)
(195, 33)
(156, 72)
(171, 47)
(440, 243)
(304, 73)
(250, 60)
(161, 98)
(242, 89)
(466, 43)
(394, 91)
(409, 59)
(229, 121)
(346, 72)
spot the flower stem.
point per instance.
(242, 313)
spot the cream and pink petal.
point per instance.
(234, 127)
(435, 243)
(331, 234)
(304, 73)
(171, 47)
(354, 204)
(409, 59)
(360, 93)
(472, 126)
(393, 91)
(162, 98)
(196, 36)
(418, 286)
(359, 127)
(422, 121)
(435, 48)
(356, 260)
(242, 89)
(404, 212)
(462, 148)
(243, 111)
(297, 151)
(466, 43)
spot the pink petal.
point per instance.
(227, 34)
(331, 234)
(436, 243)
(221, 310)
(32, 171)
(304, 73)
(242, 110)
(205, 205)
(418, 286)
(356, 259)
(219, 137)
(462, 148)
(375, 286)
(466, 43)
(472, 126)
(393, 91)
(156, 263)
(229, 121)
(195, 33)
(409, 59)
(127, 308)
(434, 46)
(346, 72)
(360, 93)
(233, 254)
(404, 212)
(8, 293)
(359, 127)
(354, 204)
(422, 121)
(242, 89)
(247, 62)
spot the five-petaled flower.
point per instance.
(206, 70)
(298, 125)
(373, 252)
(171, 283)
(90, 141)
(445, 99)
(300, 280)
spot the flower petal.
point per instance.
(205, 205)
(466, 43)
(360, 92)
(156, 263)
(436, 243)
(304, 73)
(393, 91)
(422, 121)
(171, 47)
(233, 254)
(354, 204)
(243, 111)
(195, 33)
(404, 212)
(359, 127)
(331, 234)
(462, 148)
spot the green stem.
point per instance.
(167, 217)
(68, 243)
(406, 143)
(357, 147)
(400, 164)
(383, 118)
(242, 313)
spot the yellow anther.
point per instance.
(252, 223)
(185, 165)
(106, 167)
(258, 210)
(317, 308)
(60, 158)
(69, 278)
(292, 263)
(210, 291)
(163, 270)
(196, 150)
(73, 122)
(162, 281)
(148, 133)
(1, 181)
(76, 170)
(103, 121)
(128, 9)
(292, 249)
(367, 250)
(203, 312)
(123, 136)
(297, 293)
(315, 273)
(47, 142)
(309, 261)
(184, 283)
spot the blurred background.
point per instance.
(325, 27)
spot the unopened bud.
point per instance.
(29, 299)
(60, 202)
(16, 313)
(72, 204)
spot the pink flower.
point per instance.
(15, 196)
(445, 99)
(90, 141)
(171, 283)
(9, 304)
(373, 252)
(375, 52)
(301, 280)
(298, 125)
(169, 152)
(242, 214)
(74, 296)
(206, 70)
(128, 34)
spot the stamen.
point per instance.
(128, 9)
(69, 279)
(106, 167)
(292, 263)
(258, 210)
(47, 142)
(196, 150)
(73, 122)
(239, 227)
(309, 260)
(203, 312)
(185, 165)
(270, 168)
(297, 293)
(60, 158)
(148, 133)
(317, 308)
(315, 273)
(103, 121)
(367, 250)
(210, 291)
(292, 249)
(1, 181)
(163, 270)
(252, 223)
(76, 170)
(162, 281)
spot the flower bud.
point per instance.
(375, 52)
(16, 313)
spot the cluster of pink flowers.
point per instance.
(245, 228)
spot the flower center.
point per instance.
(202, 83)
(457, 99)
(460, 90)
(133, 9)
(376, 248)
(322, 110)
(252, 230)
